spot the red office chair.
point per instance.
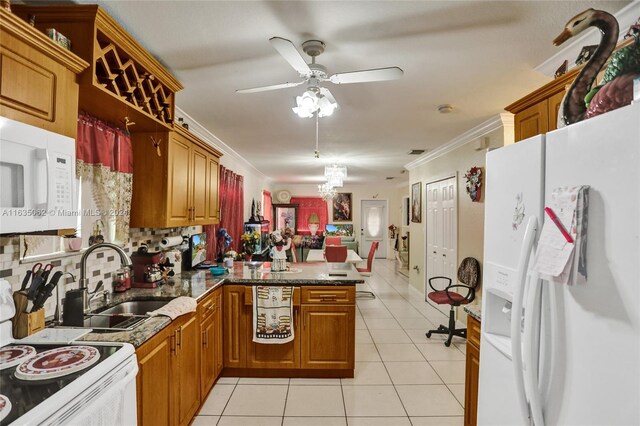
(333, 241)
(367, 271)
(335, 253)
(469, 276)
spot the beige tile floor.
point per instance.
(401, 377)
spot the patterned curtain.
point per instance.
(231, 196)
(105, 167)
(267, 208)
(306, 206)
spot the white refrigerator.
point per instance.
(551, 353)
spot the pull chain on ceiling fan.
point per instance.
(317, 99)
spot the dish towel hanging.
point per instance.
(272, 314)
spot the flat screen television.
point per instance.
(197, 250)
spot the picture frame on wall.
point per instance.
(342, 207)
(416, 203)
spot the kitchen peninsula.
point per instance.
(180, 360)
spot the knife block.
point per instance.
(26, 323)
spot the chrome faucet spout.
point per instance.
(84, 281)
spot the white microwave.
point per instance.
(37, 179)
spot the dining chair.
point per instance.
(335, 253)
(366, 271)
(333, 241)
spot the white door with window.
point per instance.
(374, 227)
(442, 231)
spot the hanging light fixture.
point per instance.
(312, 101)
(336, 170)
(326, 191)
(335, 181)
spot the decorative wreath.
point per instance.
(474, 183)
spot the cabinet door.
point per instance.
(532, 121)
(214, 170)
(200, 185)
(188, 373)
(554, 108)
(234, 324)
(217, 321)
(471, 385)
(178, 186)
(327, 336)
(208, 361)
(154, 385)
(286, 355)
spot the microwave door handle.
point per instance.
(43, 154)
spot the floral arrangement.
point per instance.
(474, 183)
(249, 241)
(224, 241)
(231, 253)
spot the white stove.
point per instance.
(102, 393)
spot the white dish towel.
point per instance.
(179, 306)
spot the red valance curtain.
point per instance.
(105, 165)
(231, 196)
(267, 208)
(306, 206)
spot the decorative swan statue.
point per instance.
(617, 86)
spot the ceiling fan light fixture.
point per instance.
(326, 107)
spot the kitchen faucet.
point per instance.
(84, 282)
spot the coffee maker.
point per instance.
(146, 268)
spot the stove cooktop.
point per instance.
(25, 395)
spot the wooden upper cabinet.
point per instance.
(537, 112)
(38, 78)
(172, 183)
(123, 79)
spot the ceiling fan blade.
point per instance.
(272, 87)
(290, 54)
(324, 91)
(378, 74)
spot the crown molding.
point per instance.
(625, 16)
(204, 134)
(503, 120)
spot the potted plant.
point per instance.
(249, 242)
(72, 242)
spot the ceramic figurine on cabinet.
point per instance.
(616, 89)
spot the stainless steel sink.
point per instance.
(133, 307)
(123, 316)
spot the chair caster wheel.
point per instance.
(428, 335)
(447, 344)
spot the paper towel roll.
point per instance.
(170, 242)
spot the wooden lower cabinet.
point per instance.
(472, 372)
(327, 336)
(234, 324)
(210, 342)
(219, 330)
(186, 366)
(153, 382)
(286, 355)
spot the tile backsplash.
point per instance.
(101, 264)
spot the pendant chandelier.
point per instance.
(326, 191)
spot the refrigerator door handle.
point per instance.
(516, 314)
(531, 349)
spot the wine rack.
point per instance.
(124, 82)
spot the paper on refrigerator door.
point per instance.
(557, 259)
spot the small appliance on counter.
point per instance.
(146, 268)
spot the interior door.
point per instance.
(373, 227)
(442, 226)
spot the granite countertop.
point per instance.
(474, 311)
(198, 284)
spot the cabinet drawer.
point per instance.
(328, 294)
(248, 295)
(207, 307)
(473, 331)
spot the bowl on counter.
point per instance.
(217, 270)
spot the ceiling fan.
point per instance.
(316, 97)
